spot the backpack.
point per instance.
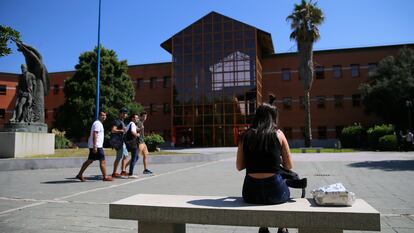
(116, 140)
(130, 140)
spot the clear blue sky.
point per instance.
(62, 29)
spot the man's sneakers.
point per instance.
(107, 178)
(133, 177)
(123, 173)
(146, 171)
(81, 178)
(116, 175)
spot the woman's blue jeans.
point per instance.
(268, 191)
(134, 159)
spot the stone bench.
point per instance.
(305, 149)
(169, 214)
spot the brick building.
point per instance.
(216, 60)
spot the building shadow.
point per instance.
(386, 165)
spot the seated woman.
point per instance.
(262, 150)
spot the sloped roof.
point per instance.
(264, 38)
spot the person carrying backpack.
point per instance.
(117, 142)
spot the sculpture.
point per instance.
(33, 86)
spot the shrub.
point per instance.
(376, 132)
(153, 141)
(388, 143)
(352, 136)
(61, 142)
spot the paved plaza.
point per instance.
(50, 200)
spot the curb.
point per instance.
(53, 163)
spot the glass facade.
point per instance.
(216, 78)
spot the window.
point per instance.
(321, 101)
(166, 81)
(2, 113)
(152, 82)
(322, 132)
(301, 102)
(339, 101)
(354, 70)
(337, 71)
(372, 68)
(3, 89)
(55, 89)
(140, 83)
(338, 130)
(320, 72)
(166, 108)
(288, 132)
(287, 102)
(356, 100)
(151, 108)
(285, 74)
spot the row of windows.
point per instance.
(166, 82)
(322, 132)
(321, 101)
(336, 71)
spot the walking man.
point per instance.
(117, 142)
(143, 149)
(96, 152)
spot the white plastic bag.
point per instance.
(333, 195)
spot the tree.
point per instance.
(304, 22)
(7, 35)
(76, 115)
(389, 92)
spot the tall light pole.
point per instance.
(98, 78)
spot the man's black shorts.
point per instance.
(98, 156)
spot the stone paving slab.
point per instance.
(50, 201)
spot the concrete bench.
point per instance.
(305, 149)
(169, 214)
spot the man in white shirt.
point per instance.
(96, 152)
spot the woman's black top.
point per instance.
(263, 160)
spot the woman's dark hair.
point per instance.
(262, 133)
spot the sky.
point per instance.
(63, 29)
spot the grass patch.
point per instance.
(323, 150)
(84, 152)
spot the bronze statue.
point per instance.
(33, 86)
(24, 98)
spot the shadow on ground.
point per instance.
(74, 180)
(386, 165)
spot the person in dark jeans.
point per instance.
(261, 151)
(131, 144)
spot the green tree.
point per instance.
(7, 35)
(389, 92)
(76, 115)
(304, 22)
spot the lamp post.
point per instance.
(409, 105)
(98, 77)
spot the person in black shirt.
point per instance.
(118, 130)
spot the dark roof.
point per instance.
(264, 38)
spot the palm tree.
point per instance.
(304, 21)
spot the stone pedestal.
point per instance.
(23, 144)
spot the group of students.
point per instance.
(135, 144)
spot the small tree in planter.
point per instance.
(152, 141)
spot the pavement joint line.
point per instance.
(61, 199)
(51, 201)
(138, 180)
